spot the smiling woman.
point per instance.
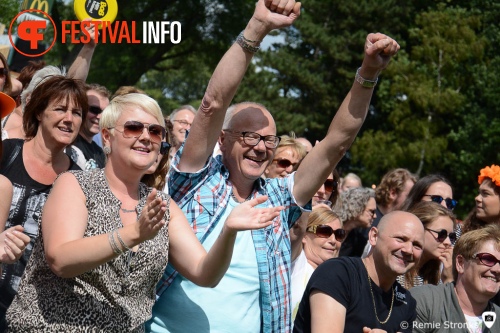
(51, 121)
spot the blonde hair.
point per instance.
(322, 215)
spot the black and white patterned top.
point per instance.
(115, 297)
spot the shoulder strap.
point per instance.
(13, 155)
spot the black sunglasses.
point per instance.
(486, 259)
(443, 234)
(284, 163)
(330, 185)
(325, 231)
(450, 203)
(134, 129)
(164, 147)
(4, 71)
(95, 110)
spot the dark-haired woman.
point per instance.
(51, 121)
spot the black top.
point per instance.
(92, 152)
(346, 280)
(28, 199)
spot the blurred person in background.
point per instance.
(351, 180)
(287, 157)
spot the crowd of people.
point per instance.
(114, 218)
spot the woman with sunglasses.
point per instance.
(98, 260)
(51, 121)
(357, 209)
(322, 241)
(464, 306)
(439, 223)
(487, 210)
(287, 158)
(434, 188)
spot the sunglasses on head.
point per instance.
(325, 231)
(330, 185)
(134, 129)
(95, 110)
(284, 163)
(450, 203)
(486, 259)
(443, 234)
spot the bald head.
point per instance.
(306, 143)
(246, 115)
(395, 219)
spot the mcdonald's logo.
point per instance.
(43, 5)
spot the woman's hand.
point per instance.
(447, 260)
(12, 244)
(152, 216)
(247, 217)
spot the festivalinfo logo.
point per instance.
(35, 25)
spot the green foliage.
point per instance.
(8, 10)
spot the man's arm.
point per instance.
(79, 69)
(327, 315)
(227, 77)
(325, 155)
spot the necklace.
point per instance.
(128, 210)
(236, 199)
(373, 299)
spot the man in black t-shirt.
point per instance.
(361, 295)
(94, 156)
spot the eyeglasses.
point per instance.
(95, 110)
(486, 259)
(134, 129)
(284, 163)
(4, 72)
(325, 231)
(253, 139)
(450, 203)
(330, 185)
(443, 234)
(164, 147)
(183, 123)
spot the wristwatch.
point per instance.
(364, 82)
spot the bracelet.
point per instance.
(244, 43)
(122, 242)
(364, 82)
(112, 243)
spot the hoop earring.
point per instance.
(107, 150)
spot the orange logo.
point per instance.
(32, 31)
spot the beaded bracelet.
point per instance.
(112, 243)
(244, 43)
(122, 242)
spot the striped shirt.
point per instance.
(203, 197)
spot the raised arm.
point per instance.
(347, 122)
(80, 68)
(227, 77)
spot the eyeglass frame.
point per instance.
(183, 122)
(313, 229)
(449, 201)
(278, 160)
(480, 254)
(261, 138)
(448, 235)
(95, 107)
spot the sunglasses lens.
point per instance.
(442, 235)
(95, 110)
(329, 183)
(165, 146)
(284, 163)
(324, 231)
(156, 132)
(488, 259)
(340, 234)
(436, 198)
(133, 129)
(451, 203)
(453, 237)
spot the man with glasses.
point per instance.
(94, 156)
(254, 295)
(350, 294)
(476, 271)
(181, 119)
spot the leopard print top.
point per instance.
(115, 297)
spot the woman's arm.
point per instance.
(190, 258)
(68, 253)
